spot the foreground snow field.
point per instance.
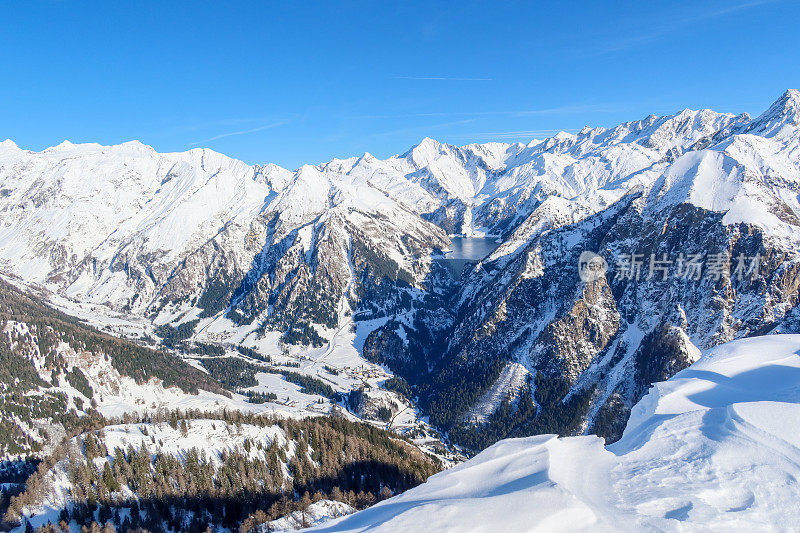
(714, 448)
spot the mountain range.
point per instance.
(519, 344)
(178, 294)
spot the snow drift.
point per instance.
(715, 447)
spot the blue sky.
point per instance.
(303, 82)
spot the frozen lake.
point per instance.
(467, 251)
(472, 247)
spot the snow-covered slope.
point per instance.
(56, 370)
(317, 513)
(713, 448)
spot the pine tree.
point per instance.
(109, 480)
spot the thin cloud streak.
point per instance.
(241, 132)
(440, 78)
(210, 124)
(654, 34)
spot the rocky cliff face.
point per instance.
(613, 336)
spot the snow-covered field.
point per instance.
(715, 448)
(210, 437)
(316, 514)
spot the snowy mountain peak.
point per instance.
(790, 98)
(8, 144)
(368, 158)
(429, 142)
(425, 152)
(63, 145)
(135, 145)
(96, 205)
(788, 106)
(784, 112)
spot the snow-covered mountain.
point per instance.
(713, 448)
(726, 201)
(144, 232)
(133, 228)
(343, 253)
